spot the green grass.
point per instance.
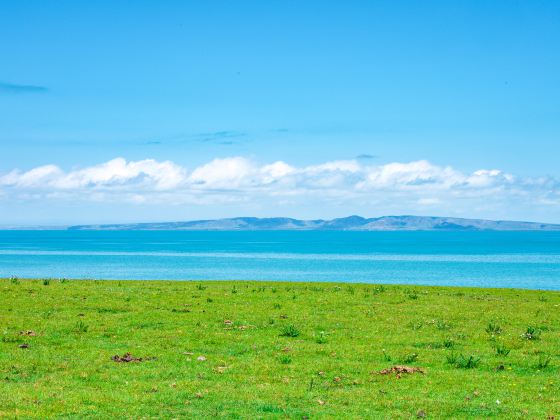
(275, 350)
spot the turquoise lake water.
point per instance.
(485, 259)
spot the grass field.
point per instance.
(275, 350)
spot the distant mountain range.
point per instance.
(385, 223)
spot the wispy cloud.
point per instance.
(224, 137)
(366, 156)
(402, 185)
(11, 88)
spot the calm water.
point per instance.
(488, 259)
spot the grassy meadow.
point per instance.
(275, 350)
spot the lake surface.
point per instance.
(485, 259)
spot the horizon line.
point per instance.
(48, 226)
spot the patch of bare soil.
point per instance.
(399, 370)
(127, 358)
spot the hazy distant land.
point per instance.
(385, 223)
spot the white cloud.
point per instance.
(36, 177)
(114, 174)
(351, 166)
(276, 171)
(118, 173)
(419, 174)
(228, 173)
(237, 179)
(428, 201)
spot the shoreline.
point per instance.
(281, 283)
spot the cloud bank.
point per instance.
(402, 185)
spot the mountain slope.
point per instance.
(385, 223)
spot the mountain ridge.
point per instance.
(354, 222)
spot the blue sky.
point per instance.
(230, 88)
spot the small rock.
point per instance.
(201, 358)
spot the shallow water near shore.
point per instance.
(482, 259)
